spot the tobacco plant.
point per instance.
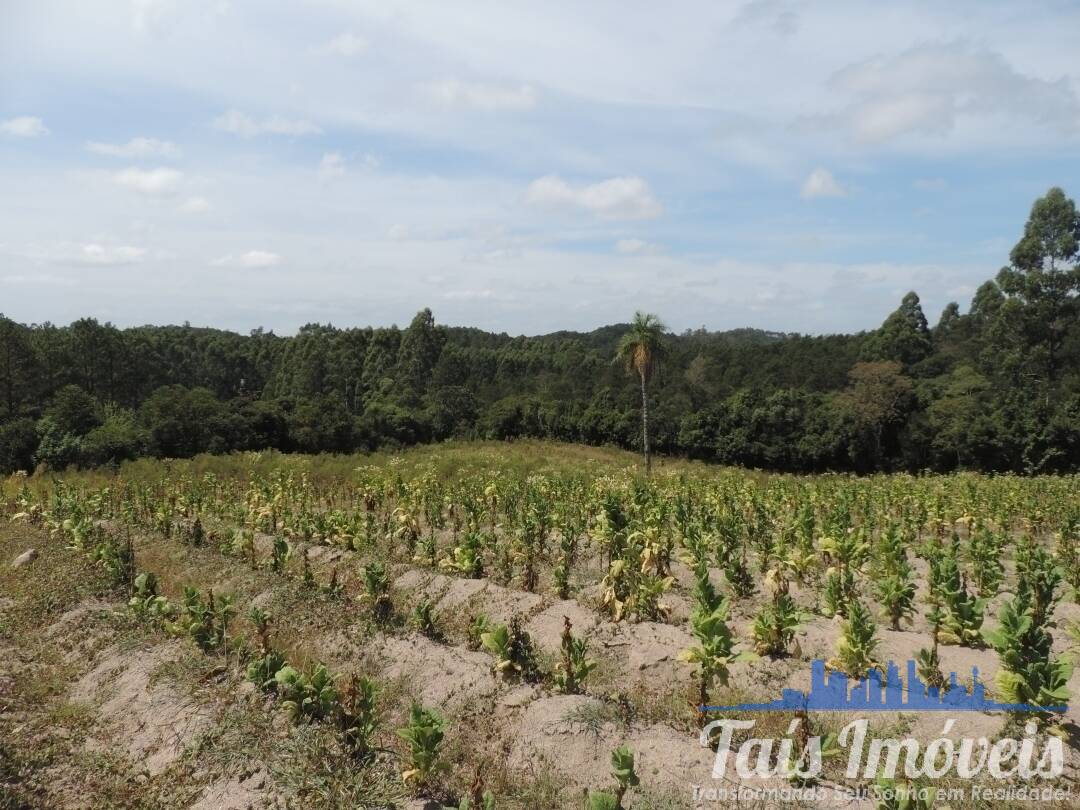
(306, 697)
(357, 715)
(475, 632)
(512, 648)
(622, 769)
(775, 626)
(575, 665)
(424, 736)
(423, 619)
(857, 644)
(1030, 673)
(715, 650)
(205, 621)
(262, 670)
(280, 552)
(958, 613)
(377, 591)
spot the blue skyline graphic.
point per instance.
(834, 692)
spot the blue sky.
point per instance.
(522, 167)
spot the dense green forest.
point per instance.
(997, 388)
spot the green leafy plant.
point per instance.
(475, 632)
(896, 592)
(715, 651)
(357, 715)
(575, 665)
(485, 802)
(839, 591)
(857, 644)
(307, 576)
(988, 570)
(775, 626)
(377, 591)
(959, 614)
(117, 557)
(628, 591)
(262, 670)
(622, 769)
(512, 648)
(1030, 673)
(467, 558)
(144, 592)
(280, 552)
(740, 577)
(306, 697)
(206, 621)
(928, 667)
(424, 736)
(423, 619)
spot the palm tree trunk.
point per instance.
(645, 425)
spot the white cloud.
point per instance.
(617, 198)
(347, 44)
(635, 247)
(251, 260)
(774, 13)
(39, 279)
(25, 126)
(195, 205)
(136, 148)
(485, 294)
(160, 181)
(245, 126)
(457, 93)
(930, 89)
(95, 253)
(930, 184)
(821, 183)
(332, 165)
(149, 14)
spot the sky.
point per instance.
(523, 167)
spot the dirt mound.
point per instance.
(573, 736)
(79, 632)
(473, 595)
(249, 790)
(150, 719)
(644, 647)
(546, 627)
(436, 674)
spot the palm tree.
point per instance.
(641, 350)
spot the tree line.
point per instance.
(996, 388)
